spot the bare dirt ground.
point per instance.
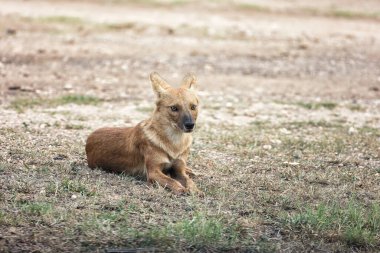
(287, 146)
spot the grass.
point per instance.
(69, 186)
(197, 232)
(22, 104)
(201, 231)
(253, 7)
(248, 189)
(355, 224)
(353, 14)
(35, 208)
(319, 105)
(356, 108)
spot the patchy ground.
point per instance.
(287, 148)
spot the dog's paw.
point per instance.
(181, 191)
(195, 191)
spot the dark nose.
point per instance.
(189, 125)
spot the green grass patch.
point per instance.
(115, 221)
(35, 208)
(3, 167)
(319, 105)
(352, 223)
(2, 217)
(198, 232)
(354, 14)
(356, 108)
(120, 26)
(201, 230)
(21, 104)
(253, 7)
(77, 99)
(69, 186)
(308, 124)
(76, 187)
(321, 146)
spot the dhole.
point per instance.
(157, 147)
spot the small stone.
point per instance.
(267, 147)
(276, 141)
(68, 86)
(27, 89)
(208, 67)
(352, 130)
(12, 230)
(74, 196)
(285, 131)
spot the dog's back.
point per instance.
(116, 149)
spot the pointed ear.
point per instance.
(160, 86)
(189, 81)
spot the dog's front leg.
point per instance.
(180, 170)
(155, 174)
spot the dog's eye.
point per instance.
(174, 108)
(193, 107)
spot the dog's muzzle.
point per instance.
(189, 127)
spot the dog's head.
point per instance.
(177, 107)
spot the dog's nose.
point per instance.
(189, 125)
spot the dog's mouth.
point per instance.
(188, 130)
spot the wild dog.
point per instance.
(157, 147)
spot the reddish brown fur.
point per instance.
(157, 147)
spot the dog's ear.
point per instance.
(189, 81)
(160, 86)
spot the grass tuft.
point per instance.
(353, 223)
(354, 14)
(316, 106)
(198, 232)
(70, 187)
(77, 99)
(21, 104)
(36, 208)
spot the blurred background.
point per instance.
(246, 51)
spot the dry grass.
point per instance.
(318, 185)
